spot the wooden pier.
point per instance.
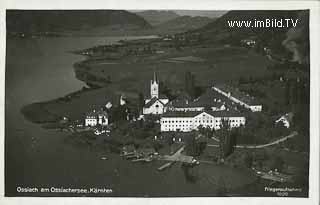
(166, 165)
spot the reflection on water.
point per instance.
(187, 171)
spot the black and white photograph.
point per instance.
(157, 103)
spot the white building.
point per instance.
(95, 118)
(248, 42)
(123, 100)
(245, 100)
(188, 121)
(285, 119)
(156, 103)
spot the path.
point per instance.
(178, 157)
(293, 134)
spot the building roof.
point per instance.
(225, 113)
(95, 113)
(210, 98)
(181, 114)
(151, 102)
(161, 96)
(236, 93)
(222, 113)
(287, 116)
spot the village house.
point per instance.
(94, 118)
(188, 121)
(285, 119)
(248, 42)
(155, 104)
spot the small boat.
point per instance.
(103, 158)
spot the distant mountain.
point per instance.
(183, 23)
(205, 13)
(156, 17)
(35, 21)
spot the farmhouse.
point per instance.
(188, 121)
(156, 103)
(95, 118)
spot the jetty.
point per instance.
(274, 176)
(166, 165)
(147, 159)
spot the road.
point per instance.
(178, 157)
(291, 135)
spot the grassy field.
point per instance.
(210, 65)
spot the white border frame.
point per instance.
(314, 7)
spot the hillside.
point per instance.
(154, 17)
(69, 21)
(183, 23)
(297, 39)
(219, 31)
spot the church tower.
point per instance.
(154, 87)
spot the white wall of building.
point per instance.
(284, 120)
(103, 120)
(164, 101)
(198, 109)
(187, 124)
(256, 108)
(92, 121)
(156, 108)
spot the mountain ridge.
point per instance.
(157, 17)
(31, 21)
(185, 23)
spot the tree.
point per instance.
(164, 89)
(157, 145)
(189, 84)
(201, 129)
(227, 139)
(192, 147)
(248, 160)
(140, 101)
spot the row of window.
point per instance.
(199, 121)
(181, 129)
(91, 120)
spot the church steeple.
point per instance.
(154, 87)
(154, 77)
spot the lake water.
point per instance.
(39, 70)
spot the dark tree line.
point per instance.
(193, 147)
(190, 86)
(227, 139)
